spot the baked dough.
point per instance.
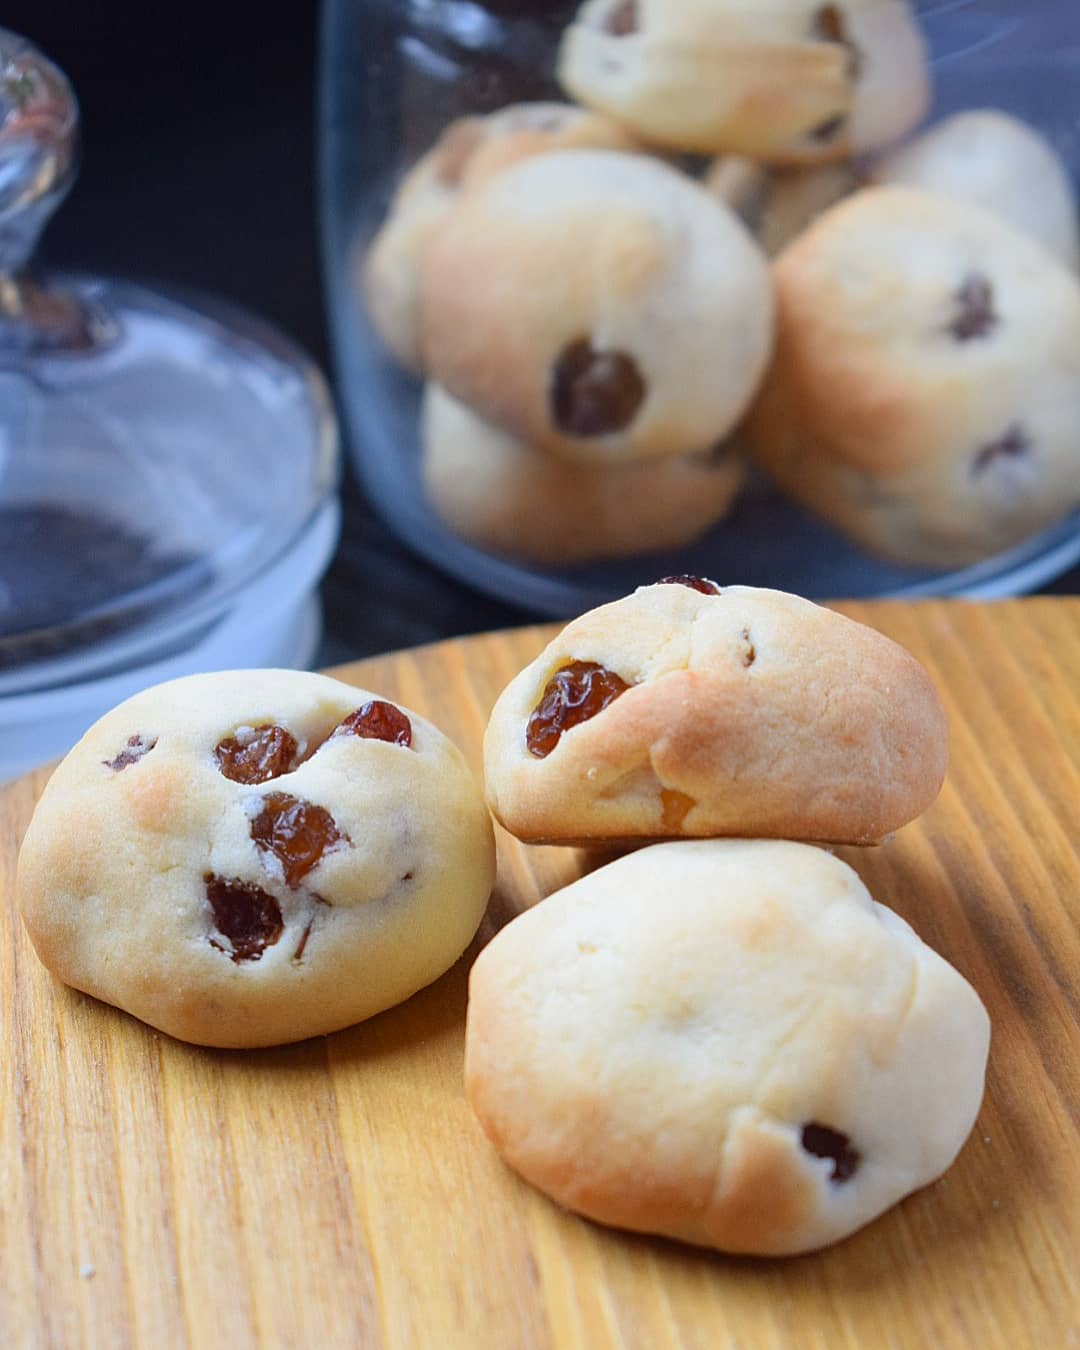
(999, 162)
(787, 82)
(598, 306)
(924, 395)
(749, 712)
(726, 1042)
(468, 152)
(502, 495)
(249, 909)
(977, 156)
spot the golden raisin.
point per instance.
(298, 833)
(824, 1142)
(594, 392)
(378, 721)
(247, 915)
(266, 753)
(675, 806)
(574, 694)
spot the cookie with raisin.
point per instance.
(688, 709)
(254, 857)
(726, 1042)
(598, 306)
(982, 156)
(503, 495)
(924, 392)
(468, 152)
(794, 82)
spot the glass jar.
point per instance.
(396, 73)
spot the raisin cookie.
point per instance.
(977, 156)
(925, 391)
(468, 152)
(687, 709)
(598, 306)
(983, 156)
(726, 1042)
(790, 82)
(255, 857)
(502, 495)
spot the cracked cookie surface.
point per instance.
(723, 1041)
(254, 857)
(730, 711)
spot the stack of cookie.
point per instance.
(594, 323)
(722, 1039)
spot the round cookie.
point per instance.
(726, 1042)
(924, 394)
(255, 857)
(983, 156)
(468, 152)
(685, 709)
(598, 306)
(788, 82)
(501, 494)
(976, 156)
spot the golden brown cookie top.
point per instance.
(726, 1041)
(692, 709)
(219, 854)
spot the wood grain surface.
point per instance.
(339, 1192)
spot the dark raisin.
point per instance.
(255, 756)
(824, 1142)
(1010, 446)
(245, 914)
(573, 695)
(378, 721)
(299, 953)
(623, 19)
(137, 746)
(829, 26)
(296, 832)
(826, 130)
(718, 456)
(594, 393)
(702, 584)
(975, 315)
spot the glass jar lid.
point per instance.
(157, 451)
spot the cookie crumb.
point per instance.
(87, 1271)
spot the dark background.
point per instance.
(199, 168)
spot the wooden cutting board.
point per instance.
(339, 1193)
